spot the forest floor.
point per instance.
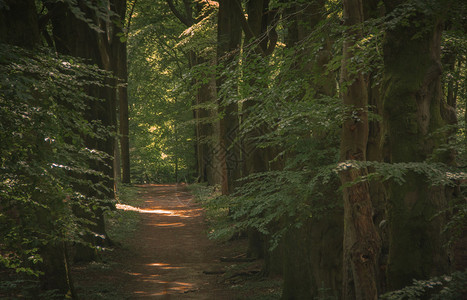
(167, 255)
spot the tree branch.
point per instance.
(181, 17)
(272, 34)
(245, 26)
(189, 11)
(129, 18)
(249, 34)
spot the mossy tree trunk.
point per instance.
(361, 239)
(312, 254)
(412, 110)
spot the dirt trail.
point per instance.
(169, 253)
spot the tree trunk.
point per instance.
(412, 110)
(312, 262)
(229, 35)
(207, 138)
(361, 239)
(123, 112)
(376, 151)
(254, 158)
(121, 71)
(75, 37)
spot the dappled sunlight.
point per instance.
(174, 213)
(168, 287)
(178, 224)
(174, 287)
(142, 210)
(158, 265)
(154, 185)
(170, 244)
(165, 266)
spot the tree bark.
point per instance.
(75, 37)
(412, 110)
(312, 262)
(207, 136)
(229, 36)
(122, 74)
(361, 239)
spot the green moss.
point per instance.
(410, 213)
(121, 224)
(414, 236)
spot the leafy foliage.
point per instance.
(298, 123)
(43, 158)
(445, 287)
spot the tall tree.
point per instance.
(260, 39)
(259, 43)
(313, 253)
(229, 37)
(77, 37)
(361, 239)
(413, 111)
(119, 48)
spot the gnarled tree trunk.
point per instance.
(412, 110)
(361, 239)
(312, 260)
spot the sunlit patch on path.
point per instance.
(174, 213)
(146, 211)
(164, 266)
(170, 250)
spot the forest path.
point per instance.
(166, 256)
(170, 251)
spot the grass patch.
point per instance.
(91, 279)
(121, 224)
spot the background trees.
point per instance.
(161, 118)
